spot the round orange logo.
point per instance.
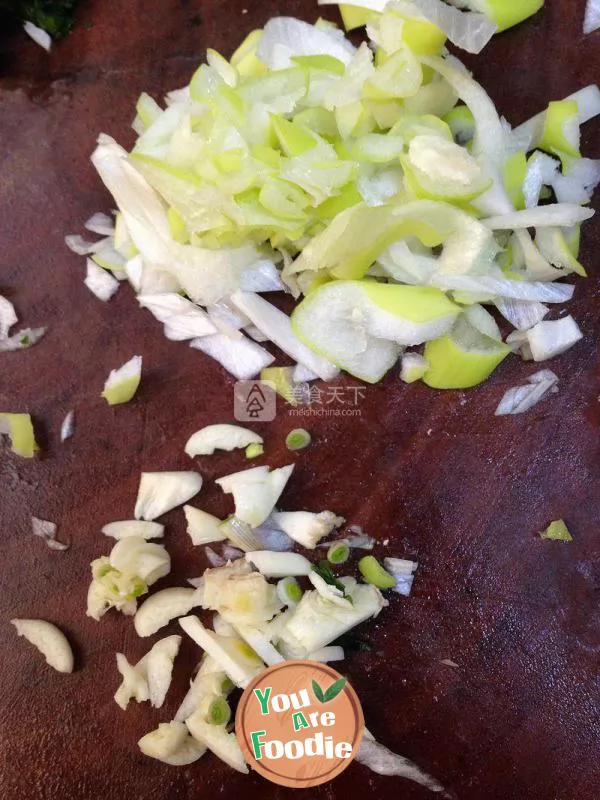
(299, 723)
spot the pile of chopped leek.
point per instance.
(376, 184)
(269, 603)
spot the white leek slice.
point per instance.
(99, 281)
(542, 170)
(202, 527)
(327, 654)
(123, 529)
(260, 643)
(255, 491)
(535, 291)
(302, 374)
(559, 214)
(159, 492)
(522, 314)
(46, 530)
(39, 35)
(382, 761)
(158, 664)
(215, 737)
(551, 338)
(220, 437)
(403, 571)
(588, 105)
(122, 384)
(285, 37)
(578, 184)
(101, 224)
(160, 608)
(135, 557)
(306, 527)
(182, 318)
(68, 426)
(277, 326)
(240, 595)
(261, 277)
(134, 685)
(234, 656)
(8, 317)
(243, 358)
(519, 399)
(49, 640)
(81, 247)
(468, 30)
(413, 367)
(172, 744)
(315, 622)
(272, 564)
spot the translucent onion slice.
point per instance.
(551, 338)
(519, 399)
(243, 358)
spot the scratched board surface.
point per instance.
(448, 484)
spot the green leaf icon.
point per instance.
(318, 692)
(335, 688)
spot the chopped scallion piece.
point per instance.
(289, 591)
(219, 712)
(297, 439)
(338, 553)
(254, 450)
(374, 573)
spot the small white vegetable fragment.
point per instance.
(403, 571)
(39, 35)
(158, 664)
(134, 556)
(260, 643)
(150, 678)
(591, 20)
(22, 339)
(99, 281)
(379, 759)
(255, 491)
(279, 565)
(243, 358)
(172, 744)
(328, 592)
(558, 214)
(549, 339)
(49, 640)
(8, 317)
(68, 426)
(122, 384)
(47, 531)
(306, 527)
(327, 654)
(159, 609)
(133, 527)
(202, 527)
(101, 224)
(182, 318)
(220, 437)
(519, 399)
(233, 655)
(159, 492)
(215, 737)
(413, 367)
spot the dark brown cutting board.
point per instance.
(462, 492)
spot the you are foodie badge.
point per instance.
(299, 723)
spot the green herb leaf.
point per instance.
(324, 570)
(335, 688)
(318, 692)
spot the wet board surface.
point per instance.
(449, 485)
